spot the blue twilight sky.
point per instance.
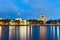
(30, 9)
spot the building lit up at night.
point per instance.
(19, 29)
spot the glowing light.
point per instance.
(42, 32)
(58, 32)
(54, 31)
(22, 32)
(11, 31)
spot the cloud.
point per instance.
(25, 1)
(8, 5)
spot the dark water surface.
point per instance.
(30, 32)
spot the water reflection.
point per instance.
(23, 32)
(11, 32)
(57, 32)
(35, 33)
(48, 33)
(30, 32)
(0, 32)
(42, 32)
(53, 32)
(5, 32)
(17, 33)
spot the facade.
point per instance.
(42, 17)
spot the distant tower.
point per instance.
(42, 17)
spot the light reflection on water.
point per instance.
(23, 32)
(57, 32)
(42, 32)
(11, 32)
(0, 32)
(30, 32)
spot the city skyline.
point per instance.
(29, 19)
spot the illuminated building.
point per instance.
(13, 31)
(42, 17)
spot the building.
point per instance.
(42, 17)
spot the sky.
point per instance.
(30, 9)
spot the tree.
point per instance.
(41, 22)
(54, 21)
(49, 22)
(59, 21)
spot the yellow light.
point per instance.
(0, 31)
(23, 32)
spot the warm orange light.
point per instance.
(42, 32)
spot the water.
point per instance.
(30, 32)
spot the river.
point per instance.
(47, 32)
